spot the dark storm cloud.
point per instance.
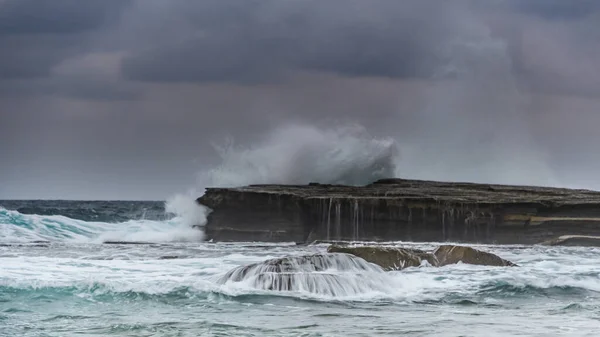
(260, 40)
(56, 17)
(36, 35)
(557, 9)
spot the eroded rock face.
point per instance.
(400, 210)
(388, 258)
(449, 254)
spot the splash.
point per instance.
(295, 154)
(330, 275)
(300, 154)
(188, 211)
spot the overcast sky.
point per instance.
(121, 99)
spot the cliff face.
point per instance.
(398, 209)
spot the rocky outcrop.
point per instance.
(574, 240)
(348, 270)
(388, 258)
(392, 258)
(333, 274)
(400, 210)
(449, 254)
(299, 264)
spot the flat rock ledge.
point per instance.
(401, 210)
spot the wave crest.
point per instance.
(18, 228)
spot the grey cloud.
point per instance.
(557, 9)
(36, 35)
(56, 17)
(269, 39)
(264, 41)
(81, 89)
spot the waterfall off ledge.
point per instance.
(400, 210)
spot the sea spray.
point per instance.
(295, 154)
(187, 210)
(300, 154)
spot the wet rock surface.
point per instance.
(400, 210)
(346, 270)
(392, 258)
(574, 240)
(388, 258)
(449, 254)
(332, 274)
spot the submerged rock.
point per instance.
(388, 258)
(449, 254)
(574, 240)
(320, 274)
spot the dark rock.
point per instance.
(127, 243)
(574, 241)
(393, 258)
(169, 257)
(400, 210)
(449, 254)
(388, 258)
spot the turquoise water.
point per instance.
(71, 284)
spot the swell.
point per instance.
(18, 228)
(101, 292)
(91, 211)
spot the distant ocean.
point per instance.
(58, 278)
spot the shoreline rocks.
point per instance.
(449, 254)
(392, 258)
(388, 258)
(574, 241)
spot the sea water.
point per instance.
(58, 278)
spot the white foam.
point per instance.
(340, 281)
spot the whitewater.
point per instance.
(57, 278)
(121, 268)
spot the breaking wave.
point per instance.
(16, 227)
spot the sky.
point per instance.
(125, 99)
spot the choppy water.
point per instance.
(73, 285)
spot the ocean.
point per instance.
(58, 277)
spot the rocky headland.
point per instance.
(403, 210)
